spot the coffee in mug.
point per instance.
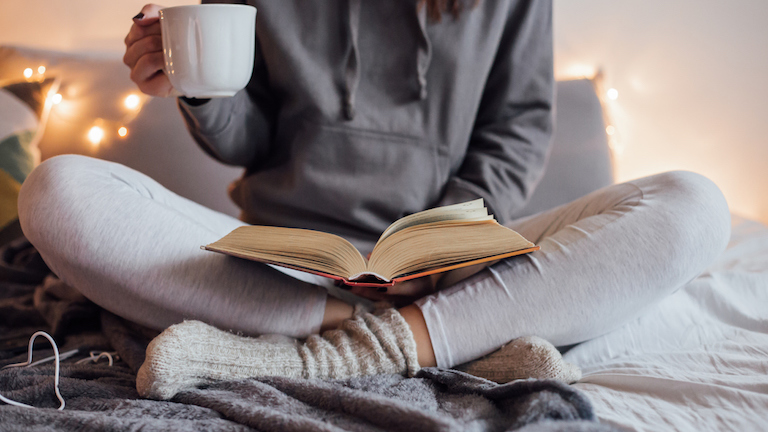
(208, 48)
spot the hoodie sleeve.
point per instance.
(235, 130)
(511, 136)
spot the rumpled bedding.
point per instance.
(103, 397)
(697, 361)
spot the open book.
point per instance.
(424, 243)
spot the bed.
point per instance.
(698, 360)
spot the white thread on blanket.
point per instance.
(57, 362)
(63, 356)
(94, 358)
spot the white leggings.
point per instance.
(133, 247)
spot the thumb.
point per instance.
(149, 15)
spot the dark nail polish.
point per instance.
(139, 15)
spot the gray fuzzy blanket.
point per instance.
(103, 398)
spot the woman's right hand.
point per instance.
(144, 53)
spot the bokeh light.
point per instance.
(95, 135)
(132, 101)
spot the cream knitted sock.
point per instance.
(192, 353)
(525, 357)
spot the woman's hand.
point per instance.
(144, 53)
(405, 293)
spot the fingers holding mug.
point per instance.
(144, 52)
(145, 23)
(147, 45)
(149, 76)
(182, 50)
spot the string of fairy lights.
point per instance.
(610, 96)
(132, 102)
(99, 129)
(612, 113)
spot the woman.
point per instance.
(357, 114)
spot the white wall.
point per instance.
(71, 25)
(692, 76)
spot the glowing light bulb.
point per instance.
(95, 135)
(610, 130)
(579, 70)
(132, 101)
(41, 70)
(28, 73)
(612, 94)
(56, 99)
(123, 131)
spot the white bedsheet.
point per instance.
(698, 360)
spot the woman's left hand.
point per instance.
(405, 293)
(402, 293)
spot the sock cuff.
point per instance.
(389, 322)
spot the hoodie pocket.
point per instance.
(360, 179)
(380, 177)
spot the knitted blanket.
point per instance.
(102, 397)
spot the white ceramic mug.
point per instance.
(208, 48)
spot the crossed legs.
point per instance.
(132, 247)
(604, 258)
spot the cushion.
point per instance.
(23, 111)
(580, 160)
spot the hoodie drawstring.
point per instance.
(352, 72)
(352, 68)
(424, 53)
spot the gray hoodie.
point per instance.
(360, 112)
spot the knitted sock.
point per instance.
(525, 357)
(192, 353)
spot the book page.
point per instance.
(314, 250)
(469, 211)
(441, 244)
(441, 238)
